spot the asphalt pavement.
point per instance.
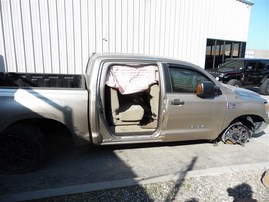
(70, 170)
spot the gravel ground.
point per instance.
(238, 186)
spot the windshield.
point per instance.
(233, 63)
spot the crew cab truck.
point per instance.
(121, 99)
(248, 73)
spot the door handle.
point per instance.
(177, 102)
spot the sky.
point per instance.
(258, 36)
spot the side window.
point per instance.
(185, 80)
(260, 66)
(257, 66)
(252, 66)
(266, 66)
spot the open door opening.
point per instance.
(132, 95)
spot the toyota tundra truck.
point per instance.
(121, 99)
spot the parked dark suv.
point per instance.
(248, 73)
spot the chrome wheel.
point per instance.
(236, 133)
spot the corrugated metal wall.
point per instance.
(58, 36)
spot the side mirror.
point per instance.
(207, 89)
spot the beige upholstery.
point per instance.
(154, 101)
(124, 110)
(114, 105)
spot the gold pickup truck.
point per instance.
(121, 99)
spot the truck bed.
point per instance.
(24, 80)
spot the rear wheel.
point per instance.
(234, 82)
(264, 89)
(23, 148)
(236, 133)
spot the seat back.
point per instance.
(124, 110)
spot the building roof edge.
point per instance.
(247, 2)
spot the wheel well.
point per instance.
(249, 120)
(47, 126)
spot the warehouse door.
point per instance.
(217, 51)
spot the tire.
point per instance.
(264, 88)
(23, 148)
(234, 82)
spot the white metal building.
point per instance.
(58, 36)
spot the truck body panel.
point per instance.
(69, 107)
